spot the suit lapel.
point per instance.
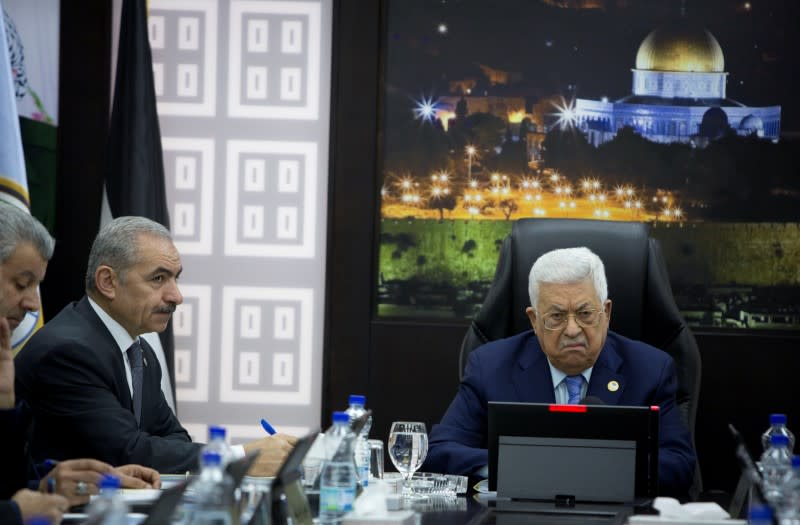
(531, 376)
(607, 381)
(106, 349)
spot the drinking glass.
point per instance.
(375, 458)
(408, 446)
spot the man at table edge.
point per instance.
(569, 354)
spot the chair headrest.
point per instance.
(622, 246)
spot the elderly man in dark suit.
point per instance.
(87, 372)
(568, 355)
(25, 249)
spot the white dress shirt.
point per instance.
(120, 335)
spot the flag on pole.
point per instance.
(134, 168)
(13, 180)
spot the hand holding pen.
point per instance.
(273, 450)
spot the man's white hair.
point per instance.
(568, 266)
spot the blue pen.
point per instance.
(267, 427)
(48, 465)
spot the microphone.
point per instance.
(592, 400)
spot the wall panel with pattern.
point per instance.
(243, 90)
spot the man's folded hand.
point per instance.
(138, 477)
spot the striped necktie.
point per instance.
(574, 384)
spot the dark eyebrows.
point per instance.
(165, 270)
(560, 309)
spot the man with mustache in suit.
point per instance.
(25, 249)
(94, 384)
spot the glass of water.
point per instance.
(408, 446)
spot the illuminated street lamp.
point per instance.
(471, 151)
(529, 183)
(566, 114)
(425, 109)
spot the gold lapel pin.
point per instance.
(613, 386)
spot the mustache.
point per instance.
(169, 309)
(568, 342)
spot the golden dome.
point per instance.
(680, 47)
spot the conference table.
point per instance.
(469, 509)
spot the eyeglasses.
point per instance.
(586, 318)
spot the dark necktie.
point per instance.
(574, 384)
(137, 377)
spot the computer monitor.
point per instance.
(573, 453)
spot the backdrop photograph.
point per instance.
(679, 114)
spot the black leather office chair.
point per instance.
(638, 284)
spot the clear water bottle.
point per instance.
(777, 426)
(213, 493)
(361, 448)
(109, 508)
(217, 443)
(337, 489)
(790, 507)
(776, 464)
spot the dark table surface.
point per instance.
(469, 511)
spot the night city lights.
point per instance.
(679, 114)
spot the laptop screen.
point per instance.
(598, 453)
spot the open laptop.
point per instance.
(286, 498)
(238, 469)
(164, 507)
(597, 462)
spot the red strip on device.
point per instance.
(655, 408)
(575, 409)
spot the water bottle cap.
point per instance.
(760, 512)
(341, 417)
(795, 462)
(39, 520)
(777, 419)
(109, 481)
(215, 431)
(211, 458)
(356, 399)
(779, 440)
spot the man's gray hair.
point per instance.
(117, 246)
(567, 266)
(16, 226)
